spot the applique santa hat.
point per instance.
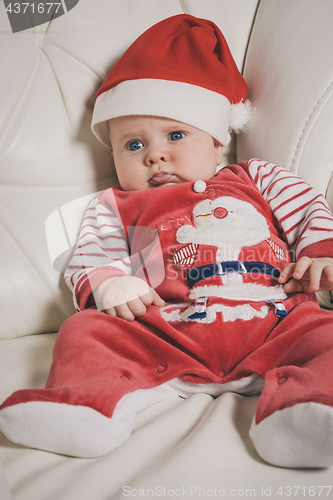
(180, 68)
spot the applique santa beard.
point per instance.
(228, 255)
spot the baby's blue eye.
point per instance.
(175, 136)
(135, 145)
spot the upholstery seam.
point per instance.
(306, 124)
(181, 2)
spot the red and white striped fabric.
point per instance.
(101, 249)
(185, 256)
(302, 212)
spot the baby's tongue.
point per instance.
(161, 178)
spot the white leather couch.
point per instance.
(49, 75)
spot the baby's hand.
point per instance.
(308, 275)
(126, 297)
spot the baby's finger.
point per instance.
(111, 311)
(293, 286)
(315, 274)
(137, 307)
(328, 270)
(301, 266)
(152, 298)
(158, 301)
(124, 312)
(287, 272)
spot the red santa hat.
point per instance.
(180, 68)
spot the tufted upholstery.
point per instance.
(49, 157)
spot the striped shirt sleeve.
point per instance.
(101, 252)
(302, 213)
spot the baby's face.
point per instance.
(150, 151)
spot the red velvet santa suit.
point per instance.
(213, 253)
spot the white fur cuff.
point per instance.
(298, 436)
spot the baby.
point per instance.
(151, 152)
(188, 277)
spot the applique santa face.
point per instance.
(228, 255)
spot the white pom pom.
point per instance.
(239, 116)
(199, 186)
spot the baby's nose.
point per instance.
(157, 155)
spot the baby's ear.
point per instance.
(218, 151)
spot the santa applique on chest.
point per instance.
(231, 261)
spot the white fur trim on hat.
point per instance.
(197, 106)
(239, 116)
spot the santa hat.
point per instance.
(180, 68)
